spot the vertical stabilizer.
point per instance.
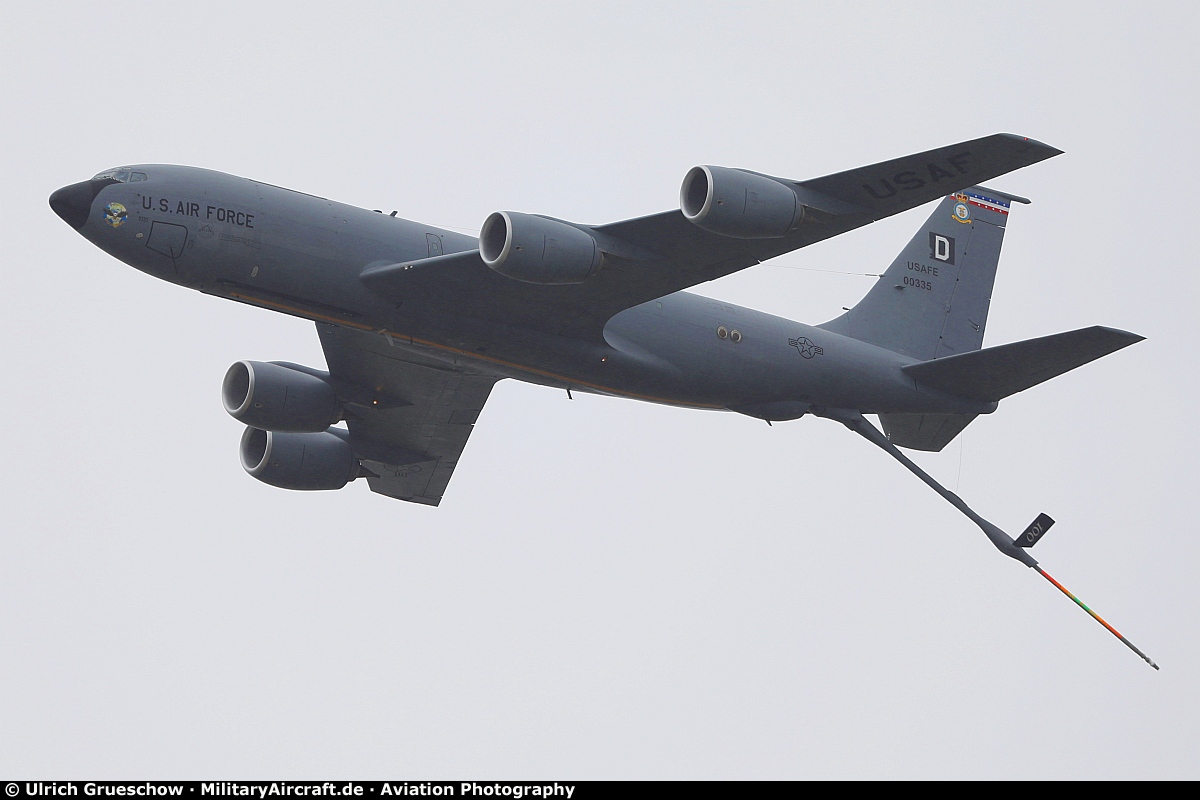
(933, 300)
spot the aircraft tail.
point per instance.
(933, 300)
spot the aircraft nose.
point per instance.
(73, 203)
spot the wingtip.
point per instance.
(1025, 142)
(1128, 337)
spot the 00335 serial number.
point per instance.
(917, 283)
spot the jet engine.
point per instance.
(304, 461)
(536, 249)
(277, 398)
(739, 204)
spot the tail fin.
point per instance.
(933, 300)
(930, 432)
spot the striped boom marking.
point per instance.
(1096, 616)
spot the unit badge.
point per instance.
(962, 212)
(115, 214)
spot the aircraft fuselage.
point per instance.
(302, 255)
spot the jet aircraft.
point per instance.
(419, 323)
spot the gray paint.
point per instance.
(395, 298)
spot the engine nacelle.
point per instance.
(537, 250)
(304, 461)
(739, 204)
(277, 398)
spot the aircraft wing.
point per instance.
(412, 430)
(653, 256)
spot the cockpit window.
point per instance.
(121, 175)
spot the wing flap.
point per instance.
(411, 449)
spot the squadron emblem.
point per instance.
(115, 214)
(962, 212)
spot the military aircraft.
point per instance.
(418, 323)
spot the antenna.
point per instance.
(1018, 550)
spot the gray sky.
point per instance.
(610, 589)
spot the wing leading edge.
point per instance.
(649, 257)
(412, 440)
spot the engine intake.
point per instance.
(303, 461)
(739, 204)
(278, 398)
(536, 249)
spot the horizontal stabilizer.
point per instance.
(997, 372)
(928, 432)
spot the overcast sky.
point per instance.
(610, 589)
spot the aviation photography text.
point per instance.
(265, 789)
